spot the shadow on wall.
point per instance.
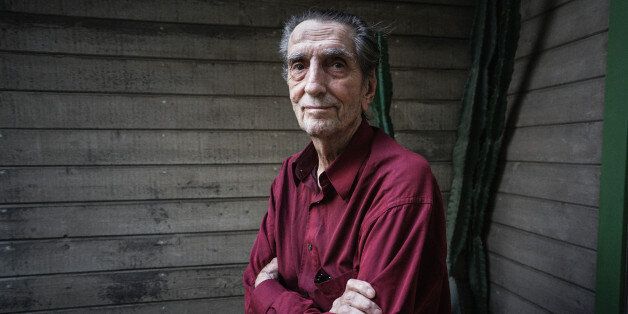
(515, 105)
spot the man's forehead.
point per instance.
(323, 33)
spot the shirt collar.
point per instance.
(344, 169)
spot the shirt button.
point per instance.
(309, 247)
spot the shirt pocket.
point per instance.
(328, 291)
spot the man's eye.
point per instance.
(298, 66)
(338, 65)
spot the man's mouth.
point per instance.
(317, 108)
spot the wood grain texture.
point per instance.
(227, 305)
(544, 254)
(436, 20)
(576, 61)
(531, 8)
(106, 288)
(106, 147)
(549, 292)
(111, 183)
(453, 2)
(129, 218)
(97, 74)
(77, 35)
(573, 102)
(102, 111)
(576, 184)
(577, 143)
(504, 301)
(433, 145)
(428, 84)
(572, 21)
(414, 115)
(558, 220)
(36, 110)
(32, 257)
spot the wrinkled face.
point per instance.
(327, 88)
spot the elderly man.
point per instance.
(355, 221)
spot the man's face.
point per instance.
(327, 88)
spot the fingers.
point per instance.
(272, 268)
(346, 309)
(356, 299)
(273, 265)
(362, 287)
(270, 271)
(360, 302)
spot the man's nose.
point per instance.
(316, 80)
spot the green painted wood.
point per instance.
(611, 259)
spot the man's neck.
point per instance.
(329, 148)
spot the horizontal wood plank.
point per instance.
(107, 147)
(428, 52)
(544, 254)
(106, 288)
(563, 221)
(573, 102)
(31, 257)
(414, 115)
(102, 111)
(569, 22)
(504, 301)
(580, 60)
(428, 84)
(228, 305)
(35, 110)
(453, 2)
(100, 219)
(437, 20)
(110, 183)
(434, 145)
(577, 184)
(531, 8)
(549, 292)
(568, 143)
(97, 74)
(76, 35)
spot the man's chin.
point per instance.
(320, 128)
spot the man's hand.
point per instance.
(356, 299)
(270, 271)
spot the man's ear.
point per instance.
(369, 94)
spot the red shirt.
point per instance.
(377, 217)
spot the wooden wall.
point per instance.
(138, 140)
(543, 235)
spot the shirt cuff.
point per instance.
(265, 293)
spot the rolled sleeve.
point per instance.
(265, 294)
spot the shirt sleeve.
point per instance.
(404, 258)
(270, 296)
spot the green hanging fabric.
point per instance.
(476, 152)
(383, 95)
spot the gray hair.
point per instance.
(364, 39)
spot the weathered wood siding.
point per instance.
(543, 234)
(138, 141)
